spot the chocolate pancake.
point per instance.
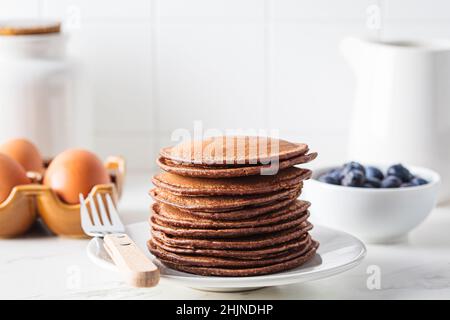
(222, 203)
(189, 186)
(162, 226)
(171, 216)
(246, 272)
(234, 150)
(247, 213)
(244, 243)
(216, 262)
(265, 253)
(230, 171)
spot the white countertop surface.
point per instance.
(41, 266)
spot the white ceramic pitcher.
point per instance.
(402, 104)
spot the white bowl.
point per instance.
(374, 215)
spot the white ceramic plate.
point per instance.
(338, 252)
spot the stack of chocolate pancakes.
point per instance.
(216, 215)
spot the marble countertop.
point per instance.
(41, 266)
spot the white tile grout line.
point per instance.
(154, 64)
(40, 7)
(267, 64)
(384, 7)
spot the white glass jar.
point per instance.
(41, 93)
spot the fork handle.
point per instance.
(138, 269)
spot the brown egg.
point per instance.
(73, 172)
(11, 175)
(25, 153)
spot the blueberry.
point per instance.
(407, 185)
(400, 172)
(350, 167)
(327, 178)
(373, 172)
(418, 181)
(391, 182)
(373, 182)
(355, 165)
(354, 178)
(335, 173)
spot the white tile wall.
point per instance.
(115, 10)
(319, 10)
(17, 9)
(310, 83)
(157, 65)
(122, 77)
(212, 11)
(213, 73)
(418, 10)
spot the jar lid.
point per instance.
(29, 27)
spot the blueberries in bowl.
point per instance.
(418, 181)
(351, 166)
(335, 173)
(372, 182)
(400, 172)
(391, 182)
(373, 172)
(330, 179)
(354, 174)
(353, 178)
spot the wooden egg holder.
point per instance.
(28, 202)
